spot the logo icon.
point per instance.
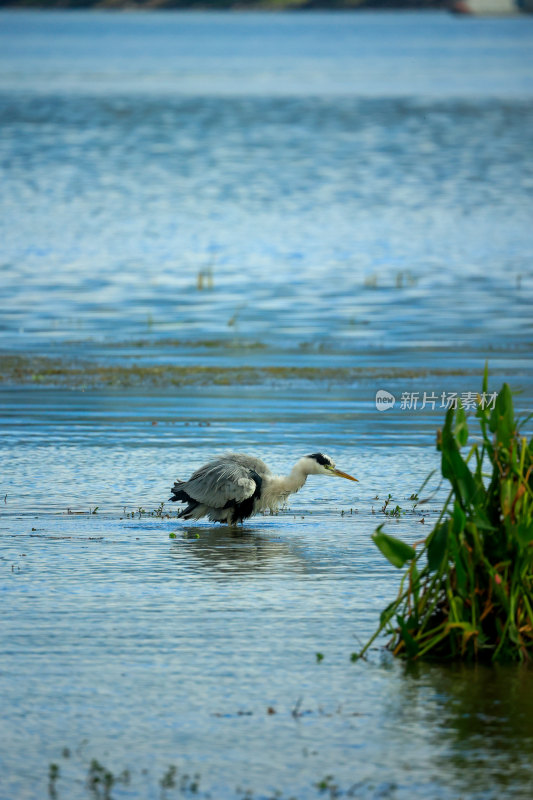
(384, 400)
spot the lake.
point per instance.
(230, 231)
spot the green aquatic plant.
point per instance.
(100, 780)
(328, 784)
(467, 592)
(168, 781)
(53, 775)
(397, 511)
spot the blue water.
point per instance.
(324, 208)
(291, 212)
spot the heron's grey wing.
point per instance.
(220, 482)
(250, 462)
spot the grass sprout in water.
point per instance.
(467, 593)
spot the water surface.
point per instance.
(228, 232)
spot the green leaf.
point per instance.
(502, 418)
(458, 519)
(415, 582)
(514, 636)
(454, 468)
(461, 428)
(411, 647)
(387, 614)
(524, 533)
(506, 497)
(396, 551)
(437, 546)
(480, 521)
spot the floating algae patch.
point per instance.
(206, 344)
(15, 369)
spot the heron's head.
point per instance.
(320, 464)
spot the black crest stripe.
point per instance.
(321, 458)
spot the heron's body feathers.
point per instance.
(224, 490)
(236, 486)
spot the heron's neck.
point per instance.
(277, 488)
(294, 481)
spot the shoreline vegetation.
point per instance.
(228, 5)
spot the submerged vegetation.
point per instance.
(73, 373)
(100, 782)
(467, 592)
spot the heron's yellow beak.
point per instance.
(344, 475)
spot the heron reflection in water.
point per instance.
(236, 486)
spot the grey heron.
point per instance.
(235, 486)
